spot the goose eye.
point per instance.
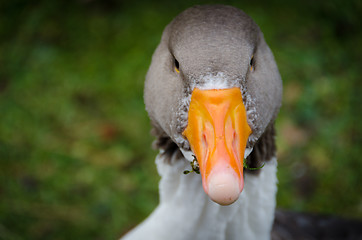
(252, 63)
(177, 66)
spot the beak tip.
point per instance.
(224, 188)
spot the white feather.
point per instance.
(186, 212)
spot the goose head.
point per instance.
(212, 89)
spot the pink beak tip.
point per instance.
(224, 188)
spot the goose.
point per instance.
(212, 92)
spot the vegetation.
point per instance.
(75, 150)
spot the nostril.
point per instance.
(205, 146)
(204, 141)
(235, 144)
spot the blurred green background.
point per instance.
(75, 150)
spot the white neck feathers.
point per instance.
(186, 212)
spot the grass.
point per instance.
(75, 150)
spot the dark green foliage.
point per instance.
(246, 166)
(75, 155)
(194, 167)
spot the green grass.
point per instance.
(75, 150)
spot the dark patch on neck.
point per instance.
(164, 143)
(264, 149)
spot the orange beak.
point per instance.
(217, 131)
